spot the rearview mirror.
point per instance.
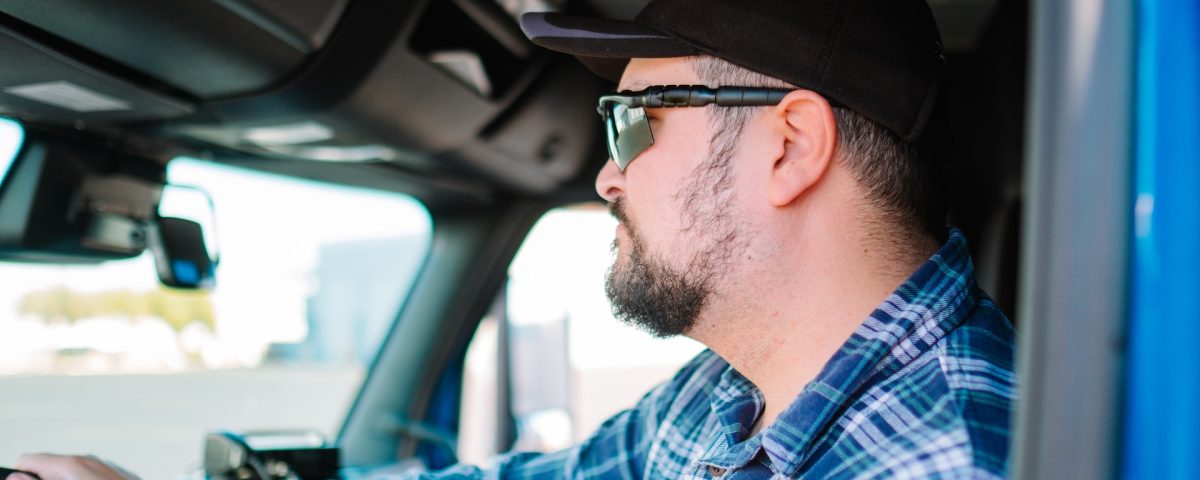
(75, 200)
(68, 201)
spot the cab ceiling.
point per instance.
(444, 99)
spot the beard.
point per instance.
(648, 293)
(665, 301)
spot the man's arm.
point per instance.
(617, 449)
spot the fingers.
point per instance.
(70, 467)
(45, 465)
(36, 463)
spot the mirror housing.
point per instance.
(64, 201)
(180, 254)
(76, 200)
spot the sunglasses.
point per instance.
(628, 129)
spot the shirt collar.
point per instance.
(933, 301)
(736, 403)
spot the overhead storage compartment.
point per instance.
(210, 49)
(39, 84)
(433, 87)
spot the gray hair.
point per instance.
(899, 181)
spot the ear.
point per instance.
(805, 125)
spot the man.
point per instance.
(775, 204)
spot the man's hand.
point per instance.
(69, 467)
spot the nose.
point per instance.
(610, 183)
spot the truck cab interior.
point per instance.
(448, 104)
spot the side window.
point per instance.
(11, 136)
(571, 364)
(106, 360)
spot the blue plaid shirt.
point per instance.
(923, 389)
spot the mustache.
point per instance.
(617, 210)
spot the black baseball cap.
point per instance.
(880, 58)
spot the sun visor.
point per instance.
(50, 88)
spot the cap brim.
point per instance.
(603, 45)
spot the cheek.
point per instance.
(653, 206)
(655, 180)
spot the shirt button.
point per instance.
(715, 470)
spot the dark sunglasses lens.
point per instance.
(610, 130)
(628, 133)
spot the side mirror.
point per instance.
(180, 255)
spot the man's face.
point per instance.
(678, 229)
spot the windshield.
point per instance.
(101, 358)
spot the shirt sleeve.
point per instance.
(615, 450)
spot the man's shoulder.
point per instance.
(977, 355)
(945, 413)
(976, 359)
(986, 335)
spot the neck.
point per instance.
(800, 308)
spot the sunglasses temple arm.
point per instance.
(698, 96)
(749, 97)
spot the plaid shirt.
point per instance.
(923, 388)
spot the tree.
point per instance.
(177, 308)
